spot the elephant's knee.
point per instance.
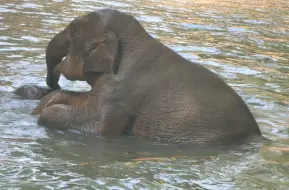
(49, 100)
(52, 116)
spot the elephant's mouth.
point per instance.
(72, 72)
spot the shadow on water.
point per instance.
(92, 156)
(128, 148)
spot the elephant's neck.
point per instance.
(136, 51)
(97, 82)
(92, 78)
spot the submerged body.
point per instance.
(32, 92)
(139, 86)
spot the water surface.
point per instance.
(245, 42)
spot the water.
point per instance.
(245, 42)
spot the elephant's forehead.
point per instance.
(88, 25)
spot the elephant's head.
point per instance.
(88, 46)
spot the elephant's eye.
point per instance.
(74, 33)
(91, 45)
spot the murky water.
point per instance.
(246, 42)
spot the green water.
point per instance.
(246, 42)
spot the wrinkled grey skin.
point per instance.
(139, 86)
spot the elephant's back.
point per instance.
(191, 104)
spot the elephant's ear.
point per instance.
(101, 56)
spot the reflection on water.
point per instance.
(245, 42)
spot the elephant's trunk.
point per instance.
(57, 48)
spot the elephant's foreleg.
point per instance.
(76, 99)
(68, 117)
(105, 120)
(114, 120)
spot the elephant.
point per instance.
(139, 86)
